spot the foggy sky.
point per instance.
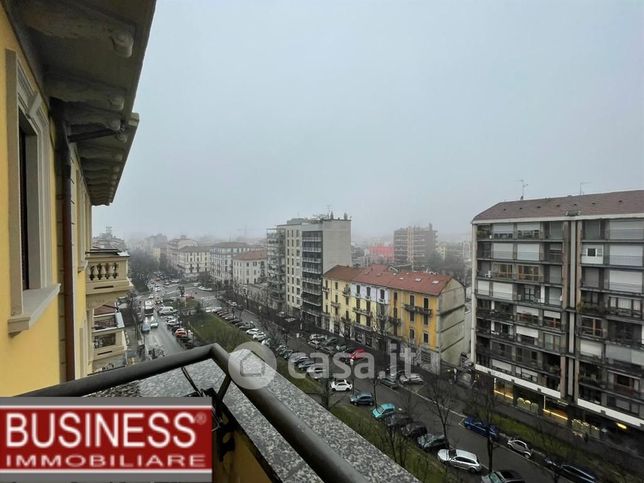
(397, 112)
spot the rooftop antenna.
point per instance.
(523, 187)
(581, 184)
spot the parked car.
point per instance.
(503, 476)
(344, 357)
(260, 336)
(414, 430)
(304, 364)
(154, 324)
(575, 473)
(328, 349)
(280, 349)
(316, 344)
(145, 327)
(181, 332)
(482, 428)
(459, 458)
(330, 341)
(341, 348)
(520, 447)
(253, 331)
(296, 357)
(341, 385)
(383, 411)
(358, 354)
(398, 420)
(412, 378)
(319, 337)
(287, 353)
(431, 442)
(362, 399)
(388, 381)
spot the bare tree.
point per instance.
(442, 394)
(484, 408)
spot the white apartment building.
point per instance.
(221, 259)
(193, 260)
(249, 268)
(173, 248)
(557, 310)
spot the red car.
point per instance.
(358, 354)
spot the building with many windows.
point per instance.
(557, 309)
(249, 268)
(174, 247)
(394, 311)
(68, 126)
(221, 260)
(276, 266)
(305, 249)
(193, 260)
(414, 245)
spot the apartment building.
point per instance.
(249, 268)
(193, 261)
(276, 266)
(557, 309)
(174, 247)
(414, 245)
(68, 127)
(393, 311)
(299, 252)
(221, 259)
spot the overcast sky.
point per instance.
(397, 112)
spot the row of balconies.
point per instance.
(415, 308)
(521, 277)
(485, 232)
(511, 256)
(602, 310)
(511, 336)
(523, 298)
(607, 286)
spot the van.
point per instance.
(167, 311)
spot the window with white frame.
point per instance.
(31, 270)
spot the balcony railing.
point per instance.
(284, 431)
(106, 277)
(315, 270)
(416, 308)
(362, 311)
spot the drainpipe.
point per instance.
(65, 167)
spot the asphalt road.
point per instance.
(415, 404)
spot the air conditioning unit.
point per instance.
(488, 274)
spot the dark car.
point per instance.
(362, 399)
(414, 430)
(503, 476)
(389, 381)
(482, 428)
(328, 349)
(577, 474)
(398, 420)
(432, 442)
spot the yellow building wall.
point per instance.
(418, 323)
(30, 359)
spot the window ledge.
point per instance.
(34, 303)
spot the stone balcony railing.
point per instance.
(106, 277)
(278, 433)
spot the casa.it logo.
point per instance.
(109, 437)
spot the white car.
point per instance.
(341, 385)
(459, 458)
(412, 378)
(154, 324)
(253, 331)
(520, 447)
(259, 336)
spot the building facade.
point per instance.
(67, 137)
(221, 260)
(557, 309)
(249, 268)
(174, 247)
(414, 245)
(298, 253)
(276, 267)
(193, 261)
(398, 311)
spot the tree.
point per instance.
(442, 394)
(483, 406)
(205, 279)
(142, 266)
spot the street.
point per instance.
(418, 406)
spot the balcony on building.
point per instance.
(274, 433)
(106, 276)
(110, 344)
